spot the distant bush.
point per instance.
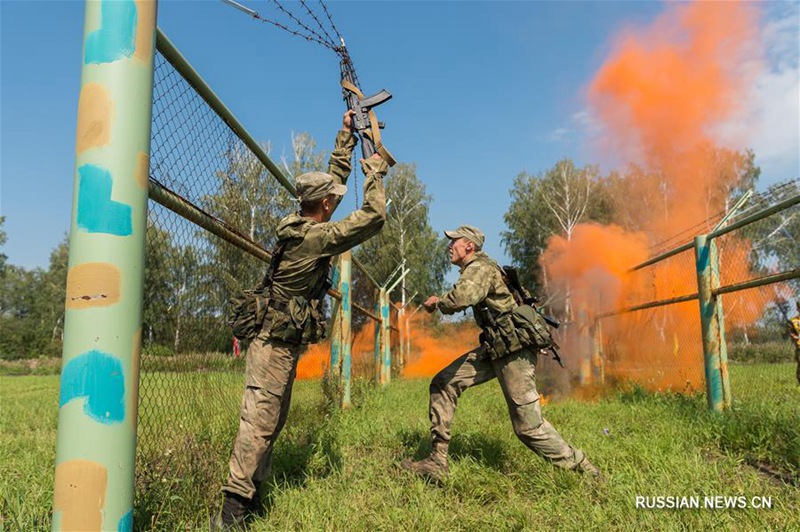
(157, 350)
(31, 366)
(767, 352)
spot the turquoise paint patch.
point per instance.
(116, 37)
(126, 522)
(346, 295)
(97, 377)
(703, 258)
(97, 212)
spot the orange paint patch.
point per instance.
(142, 171)
(93, 284)
(95, 112)
(145, 37)
(80, 495)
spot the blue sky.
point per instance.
(482, 91)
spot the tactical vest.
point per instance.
(504, 333)
(296, 320)
(300, 319)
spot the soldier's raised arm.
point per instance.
(358, 226)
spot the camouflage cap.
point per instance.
(313, 186)
(469, 232)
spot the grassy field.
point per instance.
(337, 471)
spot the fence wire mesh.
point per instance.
(212, 216)
(661, 346)
(656, 339)
(757, 319)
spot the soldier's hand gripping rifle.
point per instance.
(365, 121)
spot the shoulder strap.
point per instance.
(274, 262)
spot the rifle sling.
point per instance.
(374, 132)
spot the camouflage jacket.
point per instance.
(480, 282)
(794, 330)
(311, 244)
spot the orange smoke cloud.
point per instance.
(660, 96)
(431, 349)
(432, 352)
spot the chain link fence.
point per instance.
(215, 204)
(657, 339)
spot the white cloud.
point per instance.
(580, 125)
(769, 121)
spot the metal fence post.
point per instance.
(334, 369)
(96, 441)
(598, 364)
(712, 324)
(345, 328)
(386, 337)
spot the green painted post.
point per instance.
(597, 352)
(386, 339)
(96, 441)
(712, 324)
(334, 368)
(346, 314)
(378, 345)
(719, 313)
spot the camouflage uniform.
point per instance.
(794, 333)
(272, 362)
(481, 284)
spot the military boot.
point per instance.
(434, 467)
(234, 511)
(255, 506)
(588, 468)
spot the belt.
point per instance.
(278, 305)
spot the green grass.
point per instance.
(337, 471)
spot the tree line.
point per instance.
(190, 274)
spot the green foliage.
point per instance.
(767, 352)
(32, 308)
(550, 203)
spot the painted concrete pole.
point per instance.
(334, 369)
(345, 324)
(386, 337)
(585, 368)
(96, 440)
(598, 364)
(712, 324)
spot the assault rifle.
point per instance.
(365, 121)
(526, 298)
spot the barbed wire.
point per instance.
(757, 202)
(314, 16)
(312, 36)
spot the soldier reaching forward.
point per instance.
(306, 242)
(481, 287)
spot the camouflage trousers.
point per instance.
(797, 359)
(516, 375)
(270, 373)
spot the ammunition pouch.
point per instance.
(246, 313)
(297, 321)
(520, 328)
